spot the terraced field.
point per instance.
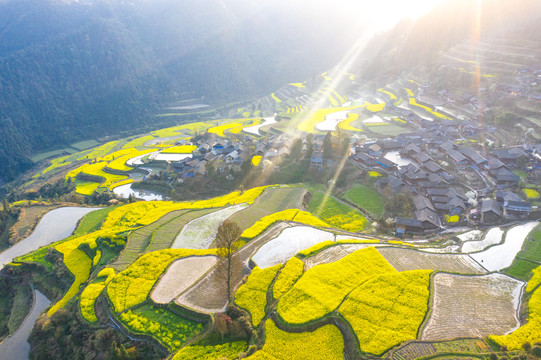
(420, 349)
(180, 276)
(156, 236)
(332, 254)
(201, 232)
(165, 235)
(472, 306)
(288, 243)
(406, 259)
(273, 200)
(209, 294)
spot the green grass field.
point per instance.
(390, 130)
(165, 235)
(521, 269)
(92, 221)
(22, 303)
(170, 329)
(138, 142)
(528, 259)
(156, 236)
(37, 257)
(139, 240)
(367, 198)
(273, 200)
(85, 145)
(49, 154)
(335, 213)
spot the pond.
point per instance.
(124, 191)
(332, 120)
(138, 160)
(190, 107)
(501, 256)
(255, 129)
(16, 347)
(56, 225)
(169, 157)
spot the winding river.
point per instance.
(56, 225)
(16, 346)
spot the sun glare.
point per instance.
(386, 13)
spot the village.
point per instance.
(452, 177)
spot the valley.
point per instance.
(342, 215)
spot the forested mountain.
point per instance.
(71, 70)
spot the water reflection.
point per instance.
(125, 191)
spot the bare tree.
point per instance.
(226, 242)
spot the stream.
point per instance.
(56, 225)
(16, 346)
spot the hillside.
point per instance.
(411, 44)
(74, 70)
(242, 214)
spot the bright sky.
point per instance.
(386, 13)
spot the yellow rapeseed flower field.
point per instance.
(317, 116)
(322, 288)
(531, 193)
(252, 295)
(138, 142)
(119, 163)
(531, 331)
(143, 213)
(211, 352)
(86, 187)
(286, 215)
(181, 149)
(220, 130)
(387, 309)
(79, 265)
(256, 160)
(375, 107)
(535, 280)
(391, 95)
(132, 286)
(346, 124)
(170, 330)
(91, 293)
(289, 274)
(325, 343)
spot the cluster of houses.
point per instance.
(446, 179)
(227, 155)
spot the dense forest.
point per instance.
(83, 69)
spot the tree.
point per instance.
(6, 205)
(344, 145)
(327, 146)
(536, 351)
(296, 150)
(309, 145)
(228, 234)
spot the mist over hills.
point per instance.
(74, 70)
(411, 44)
